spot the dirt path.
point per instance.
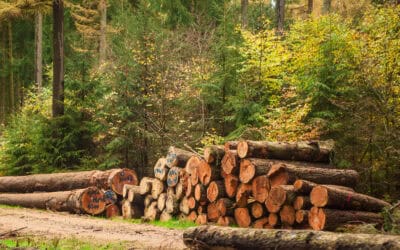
(49, 224)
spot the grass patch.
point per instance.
(9, 206)
(58, 244)
(173, 224)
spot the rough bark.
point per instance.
(323, 196)
(260, 187)
(280, 15)
(244, 5)
(161, 169)
(282, 174)
(287, 215)
(225, 207)
(257, 210)
(214, 237)
(231, 162)
(326, 6)
(132, 194)
(88, 200)
(314, 151)
(214, 154)
(330, 219)
(242, 217)
(278, 196)
(305, 187)
(177, 157)
(103, 32)
(114, 179)
(310, 6)
(216, 190)
(231, 184)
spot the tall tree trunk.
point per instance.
(310, 6)
(38, 49)
(326, 6)
(103, 32)
(280, 15)
(244, 5)
(58, 58)
(10, 56)
(3, 102)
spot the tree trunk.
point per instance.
(242, 217)
(231, 162)
(282, 174)
(114, 179)
(231, 185)
(278, 196)
(161, 169)
(216, 190)
(103, 32)
(305, 187)
(58, 58)
(330, 219)
(323, 196)
(214, 154)
(177, 157)
(214, 237)
(225, 207)
(39, 50)
(287, 215)
(280, 15)
(311, 151)
(244, 5)
(88, 200)
(11, 62)
(310, 7)
(260, 187)
(3, 102)
(250, 168)
(326, 6)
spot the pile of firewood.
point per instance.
(91, 192)
(262, 185)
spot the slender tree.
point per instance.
(38, 49)
(58, 58)
(244, 7)
(280, 15)
(310, 6)
(11, 61)
(103, 31)
(326, 6)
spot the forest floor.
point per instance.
(51, 225)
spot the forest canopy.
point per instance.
(128, 78)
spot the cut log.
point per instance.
(88, 200)
(250, 168)
(165, 216)
(322, 196)
(231, 163)
(305, 187)
(182, 186)
(225, 207)
(157, 187)
(174, 174)
(230, 145)
(130, 211)
(148, 199)
(273, 219)
(302, 203)
(216, 190)
(231, 184)
(280, 174)
(170, 191)
(213, 212)
(330, 219)
(202, 209)
(192, 203)
(287, 215)
(302, 216)
(110, 197)
(201, 219)
(112, 211)
(177, 157)
(113, 179)
(312, 151)
(208, 173)
(192, 169)
(172, 205)
(242, 217)
(225, 221)
(260, 187)
(260, 223)
(214, 154)
(192, 216)
(151, 212)
(243, 192)
(161, 169)
(214, 237)
(184, 206)
(132, 194)
(161, 201)
(200, 193)
(146, 184)
(257, 210)
(278, 196)
(189, 189)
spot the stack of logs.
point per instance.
(91, 192)
(258, 184)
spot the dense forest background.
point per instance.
(141, 75)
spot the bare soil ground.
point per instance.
(50, 224)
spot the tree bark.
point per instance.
(330, 219)
(311, 151)
(214, 154)
(39, 50)
(305, 187)
(231, 145)
(11, 63)
(250, 168)
(282, 174)
(310, 7)
(146, 184)
(130, 211)
(216, 190)
(260, 187)
(58, 58)
(323, 196)
(280, 15)
(114, 179)
(88, 200)
(244, 5)
(103, 32)
(278, 196)
(214, 237)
